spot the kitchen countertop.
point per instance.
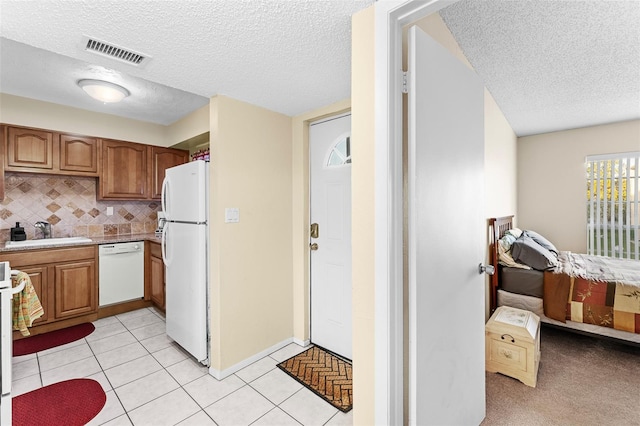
(94, 241)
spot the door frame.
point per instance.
(390, 19)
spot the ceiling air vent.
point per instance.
(113, 51)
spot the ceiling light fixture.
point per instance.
(103, 90)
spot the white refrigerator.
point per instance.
(185, 244)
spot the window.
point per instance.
(340, 153)
(613, 205)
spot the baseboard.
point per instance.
(302, 343)
(220, 375)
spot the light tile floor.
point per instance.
(150, 380)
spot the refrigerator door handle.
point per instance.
(163, 197)
(165, 258)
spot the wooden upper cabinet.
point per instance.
(29, 148)
(2, 139)
(43, 151)
(79, 154)
(161, 160)
(124, 171)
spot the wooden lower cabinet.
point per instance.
(40, 280)
(75, 289)
(157, 276)
(65, 280)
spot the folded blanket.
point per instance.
(26, 305)
(599, 268)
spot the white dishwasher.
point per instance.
(121, 272)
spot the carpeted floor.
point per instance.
(582, 380)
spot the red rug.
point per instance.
(51, 339)
(69, 403)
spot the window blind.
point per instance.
(613, 205)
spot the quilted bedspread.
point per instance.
(594, 290)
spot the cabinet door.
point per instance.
(2, 144)
(75, 289)
(161, 160)
(124, 170)
(157, 281)
(79, 154)
(39, 280)
(29, 148)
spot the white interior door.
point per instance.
(446, 237)
(330, 176)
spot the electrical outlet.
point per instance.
(109, 211)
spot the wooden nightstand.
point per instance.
(513, 344)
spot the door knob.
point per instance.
(486, 269)
(314, 246)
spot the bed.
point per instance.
(589, 294)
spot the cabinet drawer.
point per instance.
(508, 354)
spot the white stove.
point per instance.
(6, 341)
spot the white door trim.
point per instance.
(390, 18)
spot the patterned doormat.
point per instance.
(325, 374)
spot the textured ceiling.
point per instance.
(550, 65)
(288, 56)
(553, 65)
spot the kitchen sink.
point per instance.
(48, 242)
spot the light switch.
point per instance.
(231, 215)
(109, 211)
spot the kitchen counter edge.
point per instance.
(94, 241)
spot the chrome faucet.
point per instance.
(45, 227)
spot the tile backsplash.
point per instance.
(69, 204)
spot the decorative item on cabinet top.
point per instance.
(201, 154)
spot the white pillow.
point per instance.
(516, 232)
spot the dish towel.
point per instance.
(26, 305)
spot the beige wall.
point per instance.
(363, 222)
(45, 115)
(193, 125)
(250, 277)
(300, 214)
(551, 178)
